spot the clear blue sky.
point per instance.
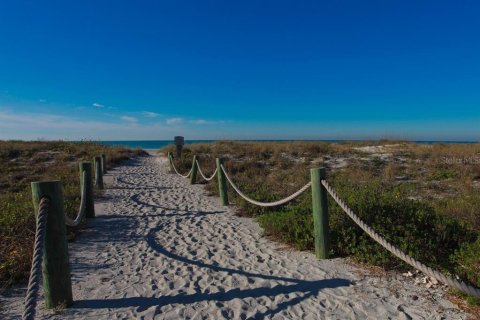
(240, 69)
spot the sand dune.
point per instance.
(162, 249)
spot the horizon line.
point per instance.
(251, 140)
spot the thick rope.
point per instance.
(203, 176)
(181, 175)
(462, 286)
(36, 270)
(81, 212)
(266, 204)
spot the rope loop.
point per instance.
(265, 204)
(462, 286)
(203, 175)
(81, 211)
(36, 269)
(178, 173)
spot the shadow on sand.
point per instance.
(120, 227)
(177, 211)
(306, 288)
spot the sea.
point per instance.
(157, 144)
(149, 144)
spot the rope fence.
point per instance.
(203, 175)
(265, 204)
(50, 252)
(320, 189)
(178, 173)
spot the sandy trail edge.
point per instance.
(162, 249)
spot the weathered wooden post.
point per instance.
(320, 213)
(170, 160)
(104, 164)
(57, 285)
(179, 142)
(193, 176)
(89, 205)
(98, 172)
(222, 183)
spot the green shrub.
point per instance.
(467, 262)
(412, 226)
(292, 225)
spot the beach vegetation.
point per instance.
(25, 162)
(423, 198)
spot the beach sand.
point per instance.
(160, 248)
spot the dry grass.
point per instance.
(448, 175)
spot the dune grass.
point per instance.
(425, 199)
(25, 162)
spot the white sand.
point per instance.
(162, 249)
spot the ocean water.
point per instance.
(150, 144)
(157, 144)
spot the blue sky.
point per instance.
(240, 70)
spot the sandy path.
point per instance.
(162, 249)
